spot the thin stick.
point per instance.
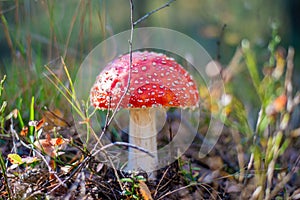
(108, 121)
(80, 166)
(10, 9)
(219, 42)
(152, 12)
(160, 181)
(288, 78)
(132, 23)
(6, 33)
(123, 144)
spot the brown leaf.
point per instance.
(144, 190)
(51, 146)
(40, 124)
(24, 131)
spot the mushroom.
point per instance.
(156, 82)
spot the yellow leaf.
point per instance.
(14, 158)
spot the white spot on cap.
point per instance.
(140, 91)
(144, 68)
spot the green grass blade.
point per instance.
(1, 85)
(19, 106)
(251, 65)
(77, 109)
(31, 118)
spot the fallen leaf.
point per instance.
(24, 131)
(144, 190)
(51, 146)
(14, 159)
(37, 124)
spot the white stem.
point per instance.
(142, 133)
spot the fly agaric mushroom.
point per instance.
(156, 82)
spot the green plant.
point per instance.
(131, 186)
(3, 105)
(271, 135)
(31, 134)
(189, 173)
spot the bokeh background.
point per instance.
(34, 33)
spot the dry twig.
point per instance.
(152, 12)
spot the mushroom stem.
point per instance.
(142, 133)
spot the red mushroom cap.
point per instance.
(156, 80)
